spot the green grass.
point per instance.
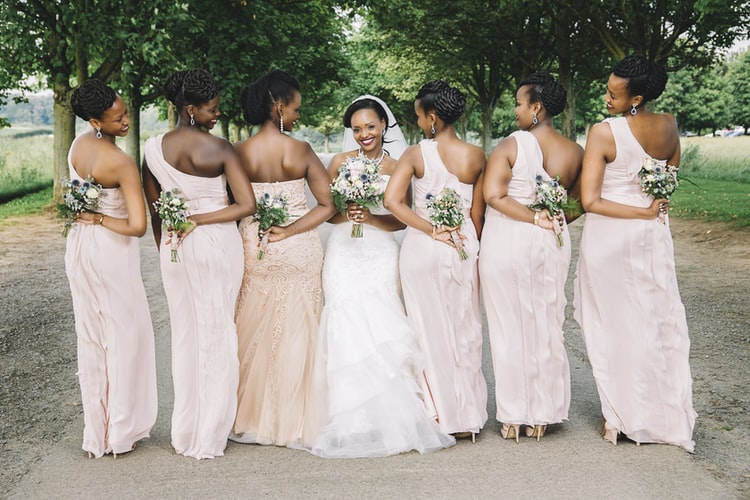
(31, 204)
(25, 162)
(716, 180)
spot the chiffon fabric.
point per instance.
(201, 291)
(523, 273)
(115, 338)
(441, 293)
(371, 359)
(278, 314)
(628, 305)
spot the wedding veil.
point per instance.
(394, 142)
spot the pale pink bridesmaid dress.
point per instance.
(115, 338)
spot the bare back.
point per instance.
(656, 133)
(463, 160)
(562, 156)
(195, 152)
(102, 160)
(272, 157)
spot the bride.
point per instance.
(373, 374)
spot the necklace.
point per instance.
(382, 155)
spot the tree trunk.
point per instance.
(225, 128)
(133, 139)
(486, 127)
(325, 143)
(171, 115)
(65, 132)
(562, 36)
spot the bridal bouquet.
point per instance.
(658, 179)
(552, 196)
(270, 211)
(78, 197)
(359, 181)
(446, 209)
(173, 212)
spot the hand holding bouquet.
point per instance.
(359, 181)
(78, 197)
(553, 197)
(446, 209)
(658, 180)
(270, 211)
(173, 212)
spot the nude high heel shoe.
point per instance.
(510, 431)
(610, 434)
(536, 431)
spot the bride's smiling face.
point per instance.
(368, 128)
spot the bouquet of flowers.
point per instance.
(552, 196)
(359, 181)
(658, 179)
(270, 211)
(446, 209)
(78, 197)
(173, 212)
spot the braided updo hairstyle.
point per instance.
(190, 86)
(92, 99)
(545, 89)
(258, 98)
(644, 77)
(447, 102)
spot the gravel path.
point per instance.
(41, 420)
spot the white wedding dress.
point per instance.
(369, 354)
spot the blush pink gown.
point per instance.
(631, 315)
(278, 313)
(441, 293)
(523, 273)
(115, 339)
(201, 291)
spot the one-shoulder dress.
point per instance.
(441, 293)
(201, 291)
(523, 271)
(628, 305)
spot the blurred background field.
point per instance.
(715, 173)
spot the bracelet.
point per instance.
(536, 218)
(101, 219)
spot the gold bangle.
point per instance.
(536, 218)
(101, 219)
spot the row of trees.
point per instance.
(340, 49)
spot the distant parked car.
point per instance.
(689, 134)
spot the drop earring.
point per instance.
(192, 120)
(432, 130)
(281, 120)
(634, 111)
(98, 132)
(534, 120)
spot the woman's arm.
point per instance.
(242, 192)
(152, 188)
(319, 184)
(124, 172)
(478, 205)
(599, 143)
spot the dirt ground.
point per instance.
(39, 394)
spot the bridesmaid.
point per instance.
(522, 267)
(441, 291)
(116, 365)
(202, 287)
(279, 306)
(626, 295)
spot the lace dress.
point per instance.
(372, 365)
(523, 273)
(277, 317)
(441, 293)
(631, 315)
